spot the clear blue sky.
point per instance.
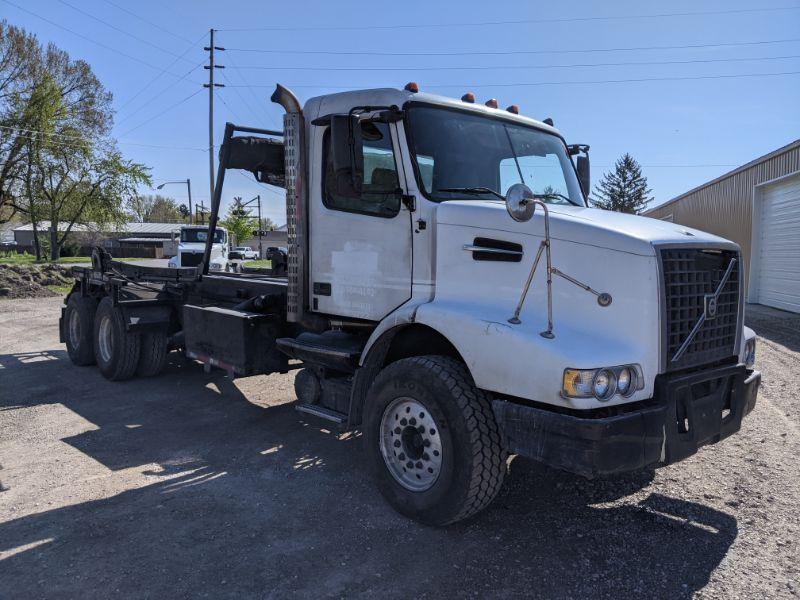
(683, 131)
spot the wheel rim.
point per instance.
(410, 444)
(75, 329)
(106, 339)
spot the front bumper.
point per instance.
(687, 412)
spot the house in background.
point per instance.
(757, 206)
(130, 240)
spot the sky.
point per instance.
(714, 85)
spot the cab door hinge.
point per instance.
(410, 201)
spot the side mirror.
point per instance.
(347, 148)
(583, 174)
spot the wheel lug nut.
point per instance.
(412, 421)
(419, 465)
(410, 465)
(402, 456)
(427, 443)
(426, 456)
(398, 431)
(403, 422)
(397, 443)
(421, 429)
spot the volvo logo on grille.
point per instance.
(710, 306)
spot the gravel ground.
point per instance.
(191, 485)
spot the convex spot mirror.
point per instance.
(347, 147)
(519, 202)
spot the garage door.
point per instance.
(779, 241)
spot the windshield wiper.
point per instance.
(551, 196)
(473, 191)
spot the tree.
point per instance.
(624, 189)
(20, 58)
(157, 209)
(57, 162)
(238, 221)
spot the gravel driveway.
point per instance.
(193, 485)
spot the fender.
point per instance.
(515, 360)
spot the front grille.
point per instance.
(691, 277)
(191, 259)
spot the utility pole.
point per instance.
(211, 85)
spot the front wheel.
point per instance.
(432, 442)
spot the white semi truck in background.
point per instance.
(190, 244)
(451, 295)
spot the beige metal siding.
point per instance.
(724, 206)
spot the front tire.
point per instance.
(432, 442)
(115, 349)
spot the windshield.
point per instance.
(461, 155)
(201, 235)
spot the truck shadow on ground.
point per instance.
(244, 500)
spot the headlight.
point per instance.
(750, 353)
(602, 383)
(626, 381)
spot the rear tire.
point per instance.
(79, 329)
(455, 466)
(153, 353)
(116, 350)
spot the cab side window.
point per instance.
(381, 192)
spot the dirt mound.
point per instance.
(32, 281)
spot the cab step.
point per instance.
(322, 412)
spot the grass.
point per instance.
(12, 258)
(258, 264)
(61, 290)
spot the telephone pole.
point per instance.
(211, 66)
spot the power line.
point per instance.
(166, 110)
(84, 37)
(160, 93)
(151, 23)
(228, 106)
(520, 21)
(119, 29)
(38, 133)
(258, 102)
(496, 67)
(509, 52)
(538, 83)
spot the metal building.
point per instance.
(756, 205)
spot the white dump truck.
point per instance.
(191, 244)
(451, 295)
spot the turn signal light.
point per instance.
(491, 103)
(412, 87)
(513, 109)
(468, 97)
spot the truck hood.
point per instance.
(587, 226)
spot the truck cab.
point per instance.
(191, 244)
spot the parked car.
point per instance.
(244, 252)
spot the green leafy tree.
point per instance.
(238, 221)
(157, 209)
(624, 189)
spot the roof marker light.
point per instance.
(491, 103)
(412, 87)
(548, 121)
(468, 97)
(513, 109)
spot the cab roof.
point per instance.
(344, 101)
